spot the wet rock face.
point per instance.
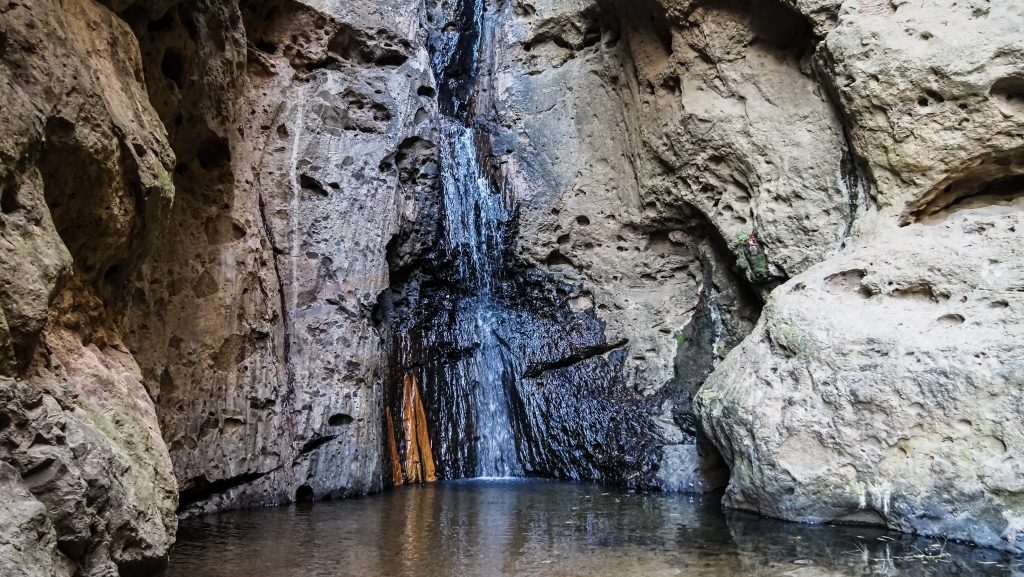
(670, 230)
(517, 374)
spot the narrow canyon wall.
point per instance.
(252, 319)
(229, 276)
(881, 386)
(196, 202)
(84, 180)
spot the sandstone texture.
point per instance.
(252, 315)
(652, 150)
(228, 246)
(879, 387)
(85, 175)
(900, 406)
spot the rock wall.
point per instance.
(879, 387)
(237, 319)
(652, 154)
(781, 136)
(253, 316)
(84, 179)
(222, 224)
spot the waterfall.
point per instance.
(513, 382)
(473, 225)
(452, 346)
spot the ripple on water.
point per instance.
(504, 527)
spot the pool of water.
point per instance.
(549, 529)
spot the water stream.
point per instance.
(551, 529)
(479, 433)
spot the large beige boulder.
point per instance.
(885, 386)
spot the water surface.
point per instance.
(550, 529)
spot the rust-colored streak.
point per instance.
(423, 438)
(396, 463)
(413, 466)
(419, 459)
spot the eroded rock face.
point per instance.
(901, 405)
(879, 386)
(642, 142)
(29, 541)
(252, 318)
(931, 94)
(85, 167)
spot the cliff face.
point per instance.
(263, 251)
(252, 314)
(85, 178)
(880, 386)
(237, 319)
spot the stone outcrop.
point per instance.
(226, 255)
(651, 150)
(900, 405)
(879, 386)
(83, 179)
(295, 128)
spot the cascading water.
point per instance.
(499, 376)
(473, 240)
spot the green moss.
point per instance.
(789, 337)
(103, 423)
(758, 262)
(680, 339)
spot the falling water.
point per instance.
(473, 240)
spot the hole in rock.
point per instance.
(988, 180)
(162, 23)
(304, 494)
(8, 202)
(311, 184)
(213, 153)
(266, 46)
(339, 420)
(394, 59)
(582, 220)
(556, 258)
(1008, 94)
(111, 273)
(426, 91)
(173, 67)
(592, 35)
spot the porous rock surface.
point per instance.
(252, 315)
(900, 406)
(882, 385)
(675, 165)
(652, 150)
(88, 487)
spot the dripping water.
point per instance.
(479, 432)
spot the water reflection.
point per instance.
(491, 529)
